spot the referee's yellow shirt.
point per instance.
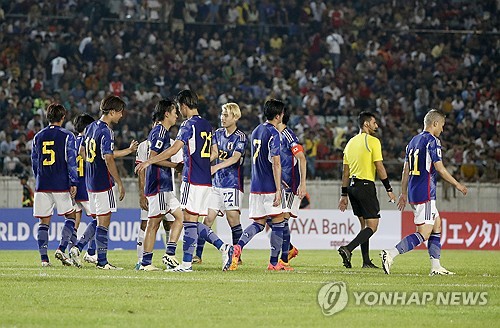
(360, 153)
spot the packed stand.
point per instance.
(328, 60)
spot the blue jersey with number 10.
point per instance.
(421, 153)
(99, 141)
(53, 159)
(196, 134)
(265, 145)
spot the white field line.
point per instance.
(188, 277)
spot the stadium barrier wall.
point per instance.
(313, 229)
(18, 229)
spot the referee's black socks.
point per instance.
(362, 236)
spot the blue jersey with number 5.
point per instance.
(265, 143)
(196, 134)
(421, 153)
(99, 141)
(53, 159)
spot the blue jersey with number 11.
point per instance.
(421, 153)
(265, 143)
(196, 134)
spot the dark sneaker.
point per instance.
(346, 256)
(370, 265)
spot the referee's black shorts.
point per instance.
(363, 198)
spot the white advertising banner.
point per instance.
(323, 229)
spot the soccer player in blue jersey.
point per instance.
(159, 186)
(293, 179)
(101, 173)
(423, 161)
(265, 187)
(82, 197)
(228, 149)
(53, 159)
(195, 137)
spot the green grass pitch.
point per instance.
(59, 296)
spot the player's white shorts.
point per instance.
(261, 206)
(194, 198)
(162, 203)
(44, 203)
(102, 203)
(425, 213)
(225, 199)
(83, 206)
(291, 203)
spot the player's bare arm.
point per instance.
(228, 162)
(404, 187)
(214, 152)
(443, 172)
(109, 159)
(143, 201)
(166, 154)
(344, 201)
(301, 190)
(127, 151)
(277, 180)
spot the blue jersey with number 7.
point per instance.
(265, 143)
(196, 134)
(422, 152)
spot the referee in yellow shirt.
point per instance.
(362, 156)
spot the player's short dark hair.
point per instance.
(55, 112)
(81, 122)
(163, 106)
(112, 103)
(364, 117)
(273, 107)
(188, 98)
(286, 116)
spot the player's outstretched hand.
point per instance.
(343, 202)
(277, 198)
(141, 167)
(72, 191)
(133, 145)
(462, 188)
(402, 202)
(121, 190)
(143, 202)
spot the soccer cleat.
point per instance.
(346, 256)
(387, 261)
(170, 261)
(148, 268)
(74, 255)
(440, 271)
(227, 256)
(236, 257)
(197, 260)
(46, 264)
(137, 266)
(63, 258)
(108, 266)
(286, 266)
(369, 265)
(292, 253)
(278, 267)
(180, 268)
(90, 258)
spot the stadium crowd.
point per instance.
(328, 60)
